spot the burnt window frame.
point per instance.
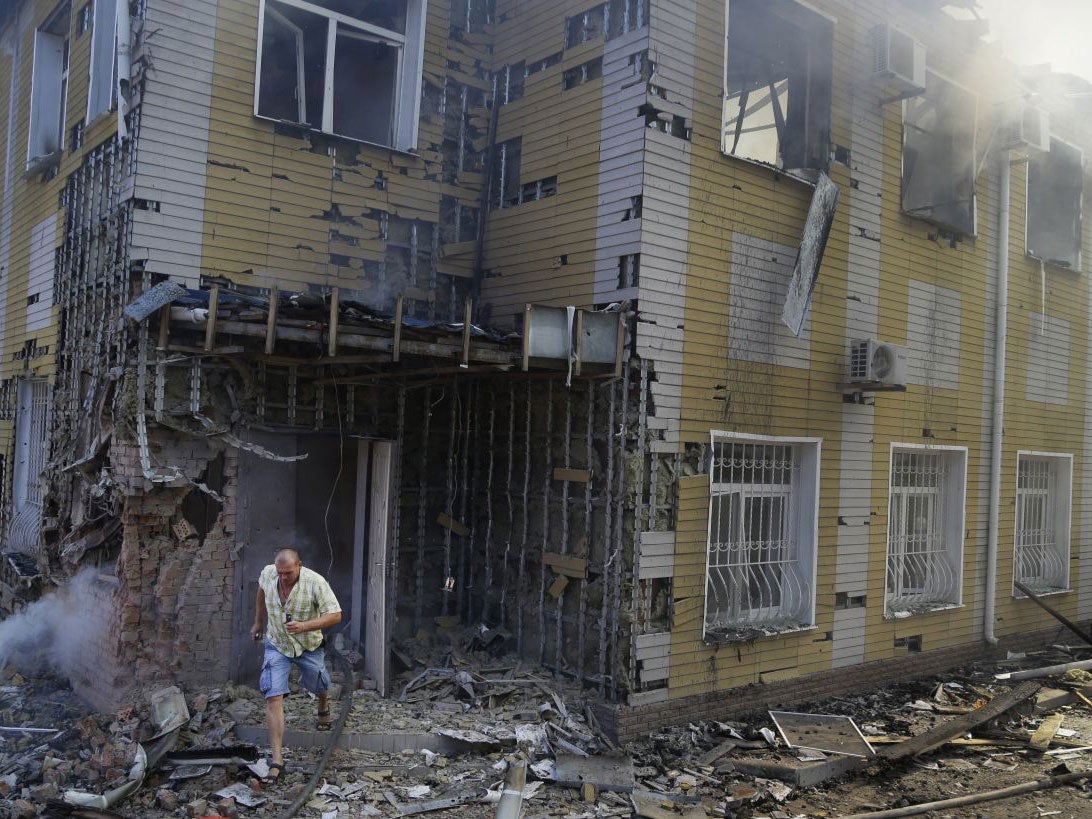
(812, 153)
(971, 163)
(40, 128)
(1028, 209)
(409, 73)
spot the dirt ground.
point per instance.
(467, 722)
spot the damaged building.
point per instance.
(701, 351)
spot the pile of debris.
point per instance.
(469, 733)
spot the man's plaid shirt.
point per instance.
(311, 597)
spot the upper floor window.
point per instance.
(925, 529)
(346, 67)
(1043, 482)
(938, 155)
(777, 78)
(763, 517)
(49, 86)
(103, 66)
(1054, 205)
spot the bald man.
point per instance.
(294, 605)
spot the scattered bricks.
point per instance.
(226, 808)
(197, 808)
(167, 799)
(22, 809)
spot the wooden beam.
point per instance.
(567, 565)
(619, 360)
(271, 320)
(210, 325)
(574, 475)
(1040, 740)
(396, 344)
(1065, 621)
(468, 307)
(526, 337)
(164, 327)
(332, 340)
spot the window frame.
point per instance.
(803, 173)
(63, 9)
(1080, 214)
(93, 77)
(1062, 522)
(804, 486)
(973, 164)
(952, 528)
(406, 93)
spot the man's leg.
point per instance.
(274, 685)
(274, 722)
(316, 679)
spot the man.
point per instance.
(295, 604)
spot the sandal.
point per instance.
(270, 777)
(325, 721)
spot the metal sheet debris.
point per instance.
(822, 732)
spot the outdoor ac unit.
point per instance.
(1025, 128)
(877, 362)
(899, 60)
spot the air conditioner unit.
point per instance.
(1025, 128)
(877, 362)
(899, 60)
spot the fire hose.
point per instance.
(346, 704)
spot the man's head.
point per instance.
(288, 565)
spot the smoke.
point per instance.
(61, 632)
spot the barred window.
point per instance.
(925, 530)
(1041, 560)
(762, 523)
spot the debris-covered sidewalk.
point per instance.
(470, 734)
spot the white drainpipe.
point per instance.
(997, 432)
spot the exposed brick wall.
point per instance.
(626, 723)
(95, 673)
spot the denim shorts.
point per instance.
(275, 667)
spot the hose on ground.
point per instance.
(335, 732)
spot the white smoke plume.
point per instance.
(59, 632)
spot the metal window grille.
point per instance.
(36, 445)
(1040, 558)
(921, 572)
(754, 578)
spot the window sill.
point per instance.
(1018, 595)
(924, 608)
(43, 164)
(806, 176)
(304, 128)
(749, 634)
(1061, 267)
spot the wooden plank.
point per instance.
(557, 588)
(332, 340)
(576, 567)
(396, 344)
(574, 475)
(164, 327)
(271, 321)
(468, 308)
(454, 525)
(1065, 621)
(210, 326)
(1040, 740)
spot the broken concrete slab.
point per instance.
(822, 732)
(608, 772)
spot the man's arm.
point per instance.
(319, 623)
(259, 616)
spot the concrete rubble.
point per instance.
(472, 733)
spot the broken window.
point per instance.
(1054, 205)
(49, 86)
(345, 67)
(31, 430)
(471, 15)
(629, 270)
(506, 161)
(925, 529)
(1042, 521)
(591, 70)
(938, 155)
(103, 66)
(777, 81)
(762, 533)
(624, 16)
(586, 26)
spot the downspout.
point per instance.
(997, 432)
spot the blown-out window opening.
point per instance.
(762, 515)
(49, 86)
(777, 84)
(1041, 560)
(1054, 207)
(924, 530)
(351, 68)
